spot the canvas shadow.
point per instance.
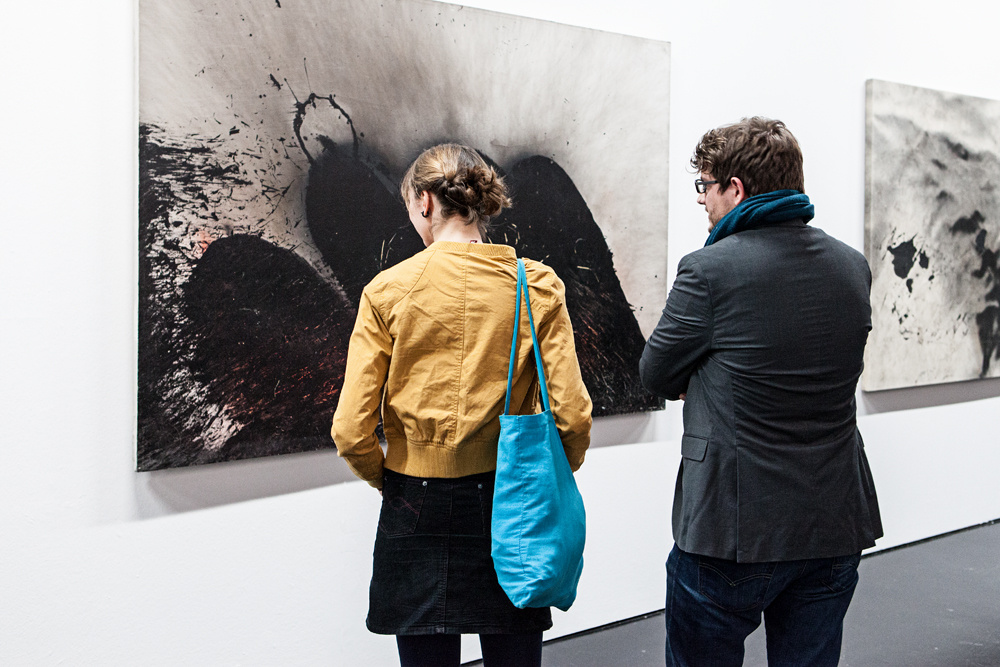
(926, 396)
(177, 490)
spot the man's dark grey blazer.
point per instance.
(765, 332)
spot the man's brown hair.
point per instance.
(761, 152)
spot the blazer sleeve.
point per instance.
(357, 413)
(683, 336)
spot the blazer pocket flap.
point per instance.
(694, 447)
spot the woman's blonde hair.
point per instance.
(463, 182)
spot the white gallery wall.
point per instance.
(266, 562)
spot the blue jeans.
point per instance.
(714, 604)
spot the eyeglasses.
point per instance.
(701, 185)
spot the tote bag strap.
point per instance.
(522, 287)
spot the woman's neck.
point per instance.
(457, 230)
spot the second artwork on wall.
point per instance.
(932, 236)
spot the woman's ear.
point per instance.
(426, 204)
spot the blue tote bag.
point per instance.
(539, 523)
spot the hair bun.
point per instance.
(489, 188)
(462, 180)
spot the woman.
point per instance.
(429, 354)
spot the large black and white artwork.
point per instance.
(932, 236)
(272, 137)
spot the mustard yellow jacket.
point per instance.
(431, 345)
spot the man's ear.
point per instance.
(739, 193)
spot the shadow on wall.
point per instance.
(928, 396)
(165, 492)
(176, 490)
(624, 429)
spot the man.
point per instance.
(762, 336)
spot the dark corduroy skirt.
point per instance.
(433, 573)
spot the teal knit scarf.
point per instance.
(777, 206)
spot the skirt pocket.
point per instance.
(402, 501)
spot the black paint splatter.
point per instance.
(214, 333)
(903, 256)
(358, 225)
(269, 341)
(968, 225)
(987, 320)
(173, 176)
(552, 223)
(958, 149)
(980, 246)
(302, 108)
